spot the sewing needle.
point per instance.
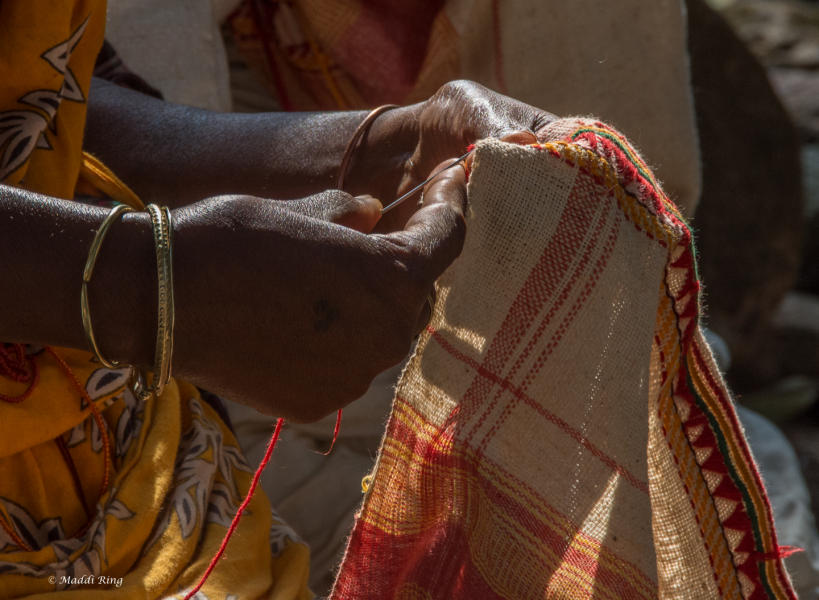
(406, 195)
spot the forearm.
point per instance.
(44, 245)
(176, 154)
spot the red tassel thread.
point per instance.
(15, 365)
(256, 477)
(335, 434)
(780, 553)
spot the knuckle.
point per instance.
(331, 200)
(336, 196)
(458, 86)
(325, 205)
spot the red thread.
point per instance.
(13, 535)
(786, 551)
(549, 416)
(779, 553)
(101, 424)
(335, 433)
(15, 365)
(272, 444)
(465, 164)
(75, 476)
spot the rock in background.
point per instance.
(758, 227)
(749, 222)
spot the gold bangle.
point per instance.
(163, 231)
(353, 143)
(88, 271)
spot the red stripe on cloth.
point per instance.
(628, 173)
(443, 455)
(440, 558)
(691, 503)
(435, 562)
(742, 520)
(563, 328)
(560, 423)
(724, 401)
(541, 285)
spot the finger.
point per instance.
(362, 214)
(436, 232)
(356, 212)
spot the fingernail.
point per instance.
(520, 137)
(371, 201)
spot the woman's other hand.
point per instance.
(292, 307)
(405, 144)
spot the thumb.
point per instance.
(436, 232)
(356, 212)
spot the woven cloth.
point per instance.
(562, 430)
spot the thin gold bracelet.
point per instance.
(163, 233)
(352, 145)
(88, 271)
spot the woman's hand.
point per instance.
(283, 309)
(405, 144)
(176, 155)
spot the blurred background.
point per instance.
(758, 229)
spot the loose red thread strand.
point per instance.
(12, 359)
(272, 444)
(101, 424)
(780, 553)
(75, 476)
(335, 434)
(13, 535)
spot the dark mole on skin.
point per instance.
(325, 315)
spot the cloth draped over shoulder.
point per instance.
(101, 493)
(562, 430)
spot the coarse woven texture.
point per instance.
(562, 430)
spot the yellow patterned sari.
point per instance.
(101, 493)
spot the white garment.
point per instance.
(175, 46)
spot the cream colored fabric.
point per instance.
(625, 62)
(562, 430)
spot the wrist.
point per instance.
(123, 292)
(378, 163)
